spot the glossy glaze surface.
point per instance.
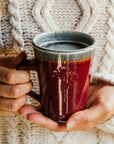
(63, 86)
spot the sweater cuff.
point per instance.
(107, 126)
(106, 77)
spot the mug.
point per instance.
(63, 62)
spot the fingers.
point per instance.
(3, 112)
(15, 91)
(13, 84)
(10, 76)
(93, 90)
(87, 119)
(21, 57)
(101, 110)
(12, 105)
(12, 62)
(37, 117)
(83, 120)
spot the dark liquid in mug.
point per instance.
(63, 46)
(63, 85)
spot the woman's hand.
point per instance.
(100, 108)
(13, 84)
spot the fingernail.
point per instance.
(71, 124)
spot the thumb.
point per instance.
(12, 62)
(86, 117)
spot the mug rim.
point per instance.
(82, 50)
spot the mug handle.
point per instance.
(30, 65)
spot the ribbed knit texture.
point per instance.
(24, 19)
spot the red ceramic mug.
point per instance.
(63, 62)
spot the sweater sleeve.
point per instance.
(108, 125)
(106, 77)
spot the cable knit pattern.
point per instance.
(94, 13)
(15, 22)
(41, 14)
(90, 15)
(103, 72)
(3, 131)
(12, 133)
(63, 22)
(109, 48)
(0, 28)
(31, 17)
(25, 129)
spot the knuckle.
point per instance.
(14, 106)
(86, 118)
(106, 106)
(10, 77)
(28, 73)
(27, 76)
(14, 92)
(31, 84)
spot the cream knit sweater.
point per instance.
(24, 19)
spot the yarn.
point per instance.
(15, 22)
(24, 19)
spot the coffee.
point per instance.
(63, 46)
